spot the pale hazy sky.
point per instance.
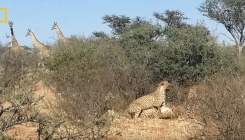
(82, 17)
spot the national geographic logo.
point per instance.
(5, 15)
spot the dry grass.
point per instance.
(220, 102)
(156, 129)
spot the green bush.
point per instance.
(138, 41)
(189, 54)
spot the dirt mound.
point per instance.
(49, 102)
(24, 131)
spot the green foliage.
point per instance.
(187, 53)
(190, 54)
(136, 36)
(171, 18)
(117, 23)
(71, 55)
(139, 42)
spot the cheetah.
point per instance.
(154, 99)
(150, 113)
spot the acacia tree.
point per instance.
(231, 14)
(117, 23)
(171, 18)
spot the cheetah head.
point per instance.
(164, 84)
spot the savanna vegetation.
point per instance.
(105, 72)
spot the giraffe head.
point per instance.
(29, 32)
(55, 26)
(10, 24)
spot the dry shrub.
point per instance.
(220, 102)
(18, 71)
(93, 78)
(177, 94)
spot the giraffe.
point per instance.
(59, 33)
(42, 49)
(15, 44)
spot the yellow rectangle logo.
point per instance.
(5, 14)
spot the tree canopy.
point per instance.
(171, 18)
(231, 14)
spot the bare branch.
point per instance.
(228, 37)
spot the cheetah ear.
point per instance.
(162, 83)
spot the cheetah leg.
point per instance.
(137, 114)
(159, 113)
(140, 113)
(158, 108)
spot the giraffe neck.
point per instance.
(14, 41)
(60, 35)
(42, 49)
(12, 31)
(36, 43)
